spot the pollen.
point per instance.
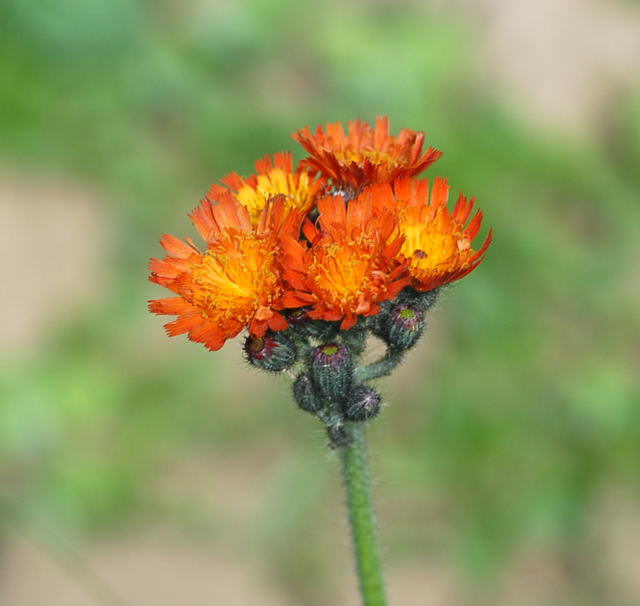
(236, 278)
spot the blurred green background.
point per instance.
(136, 466)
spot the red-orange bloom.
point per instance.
(235, 282)
(348, 265)
(365, 154)
(274, 177)
(436, 242)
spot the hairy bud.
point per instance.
(273, 352)
(305, 395)
(402, 326)
(332, 370)
(362, 404)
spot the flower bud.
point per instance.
(401, 326)
(305, 394)
(363, 403)
(332, 370)
(273, 352)
(404, 327)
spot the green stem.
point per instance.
(355, 473)
(382, 367)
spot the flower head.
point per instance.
(365, 154)
(370, 227)
(275, 177)
(346, 267)
(436, 242)
(235, 282)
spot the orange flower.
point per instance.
(274, 177)
(436, 243)
(365, 155)
(349, 266)
(234, 283)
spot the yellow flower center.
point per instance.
(435, 246)
(330, 350)
(296, 189)
(345, 274)
(236, 277)
(359, 156)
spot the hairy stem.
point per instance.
(355, 473)
(382, 367)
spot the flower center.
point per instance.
(343, 273)
(330, 349)
(407, 314)
(295, 189)
(359, 156)
(434, 246)
(236, 277)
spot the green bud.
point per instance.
(273, 352)
(362, 404)
(305, 394)
(402, 327)
(332, 371)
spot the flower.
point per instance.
(365, 154)
(370, 228)
(274, 177)
(235, 282)
(436, 242)
(347, 266)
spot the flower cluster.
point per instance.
(349, 240)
